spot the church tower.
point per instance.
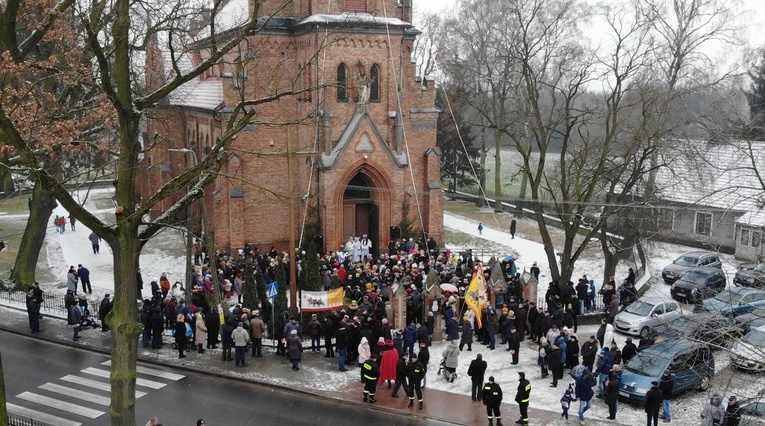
(352, 149)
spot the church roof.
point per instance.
(354, 18)
(203, 94)
(349, 135)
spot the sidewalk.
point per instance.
(312, 379)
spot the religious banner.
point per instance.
(317, 301)
(475, 296)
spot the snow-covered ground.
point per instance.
(165, 254)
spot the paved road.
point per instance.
(65, 386)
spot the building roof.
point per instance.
(715, 174)
(196, 93)
(354, 18)
(232, 15)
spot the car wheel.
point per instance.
(644, 332)
(704, 383)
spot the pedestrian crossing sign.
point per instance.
(272, 290)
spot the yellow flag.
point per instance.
(475, 296)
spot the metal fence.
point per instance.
(22, 421)
(51, 302)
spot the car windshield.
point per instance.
(727, 297)
(755, 337)
(685, 261)
(680, 323)
(639, 308)
(647, 364)
(694, 277)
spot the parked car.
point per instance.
(735, 301)
(752, 412)
(750, 276)
(694, 259)
(752, 319)
(692, 364)
(710, 327)
(697, 284)
(641, 315)
(749, 352)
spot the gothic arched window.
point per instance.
(374, 89)
(341, 83)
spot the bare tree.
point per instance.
(116, 36)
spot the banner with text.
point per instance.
(317, 301)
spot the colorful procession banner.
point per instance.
(475, 296)
(317, 301)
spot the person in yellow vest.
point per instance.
(492, 398)
(370, 371)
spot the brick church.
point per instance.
(358, 139)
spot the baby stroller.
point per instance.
(449, 373)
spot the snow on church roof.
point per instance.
(196, 93)
(354, 18)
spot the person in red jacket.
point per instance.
(388, 361)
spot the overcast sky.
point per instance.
(756, 9)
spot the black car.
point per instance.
(749, 275)
(710, 328)
(697, 284)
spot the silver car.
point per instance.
(641, 315)
(694, 259)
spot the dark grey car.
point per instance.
(698, 283)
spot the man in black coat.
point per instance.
(476, 371)
(629, 350)
(492, 398)
(555, 365)
(103, 310)
(589, 351)
(514, 344)
(653, 400)
(400, 377)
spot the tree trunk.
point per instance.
(125, 328)
(481, 201)
(6, 179)
(41, 206)
(497, 170)
(520, 203)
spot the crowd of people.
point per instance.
(361, 334)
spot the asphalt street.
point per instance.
(67, 386)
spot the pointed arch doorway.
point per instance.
(361, 214)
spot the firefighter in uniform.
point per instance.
(522, 398)
(415, 372)
(492, 397)
(371, 372)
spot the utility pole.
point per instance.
(289, 155)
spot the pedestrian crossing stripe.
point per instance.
(37, 415)
(60, 405)
(76, 393)
(95, 384)
(140, 382)
(152, 372)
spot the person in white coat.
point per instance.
(366, 246)
(364, 353)
(356, 250)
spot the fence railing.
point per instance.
(22, 421)
(51, 302)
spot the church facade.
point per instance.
(350, 150)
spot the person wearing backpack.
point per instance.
(180, 334)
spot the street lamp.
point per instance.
(189, 238)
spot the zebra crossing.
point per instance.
(74, 399)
